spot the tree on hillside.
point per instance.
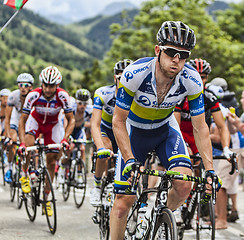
(213, 44)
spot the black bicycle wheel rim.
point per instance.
(49, 199)
(65, 185)
(104, 224)
(79, 189)
(198, 217)
(165, 224)
(30, 205)
(18, 187)
(212, 218)
(13, 183)
(3, 168)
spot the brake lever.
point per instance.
(234, 165)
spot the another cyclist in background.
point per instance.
(82, 112)
(15, 104)
(212, 108)
(101, 127)
(229, 98)
(4, 93)
(40, 115)
(143, 118)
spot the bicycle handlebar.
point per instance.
(173, 175)
(234, 165)
(49, 146)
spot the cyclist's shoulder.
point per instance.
(14, 96)
(107, 90)
(62, 94)
(190, 75)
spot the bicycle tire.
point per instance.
(199, 222)
(66, 184)
(79, 189)
(3, 167)
(105, 209)
(30, 204)
(165, 226)
(13, 183)
(19, 196)
(49, 199)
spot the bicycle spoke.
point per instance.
(79, 188)
(49, 202)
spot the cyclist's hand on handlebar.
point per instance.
(65, 143)
(211, 175)
(227, 153)
(104, 153)
(130, 166)
(22, 149)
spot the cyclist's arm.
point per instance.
(178, 117)
(223, 130)
(7, 120)
(95, 128)
(22, 121)
(202, 139)
(120, 132)
(70, 124)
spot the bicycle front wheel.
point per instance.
(165, 226)
(205, 223)
(13, 183)
(30, 204)
(66, 184)
(79, 188)
(49, 202)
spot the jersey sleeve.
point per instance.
(128, 86)
(11, 99)
(30, 100)
(195, 92)
(65, 100)
(98, 100)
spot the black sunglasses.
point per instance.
(172, 52)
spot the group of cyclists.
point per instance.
(156, 104)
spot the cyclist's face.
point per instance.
(4, 100)
(24, 88)
(204, 77)
(81, 106)
(49, 90)
(170, 66)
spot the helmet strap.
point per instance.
(159, 55)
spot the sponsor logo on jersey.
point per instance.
(196, 111)
(129, 75)
(185, 75)
(144, 100)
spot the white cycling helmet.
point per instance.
(4, 92)
(217, 90)
(220, 82)
(25, 77)
(50, 75)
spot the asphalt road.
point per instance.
(76, 223)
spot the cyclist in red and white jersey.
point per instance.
(40, 115)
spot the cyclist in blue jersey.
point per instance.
(143, 118)
(101, 127)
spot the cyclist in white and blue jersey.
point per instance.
(143, 118)
(82, 112)
(101, 127)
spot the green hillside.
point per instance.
(31, 42)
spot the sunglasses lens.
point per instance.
(172, 53)
(26, 85)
